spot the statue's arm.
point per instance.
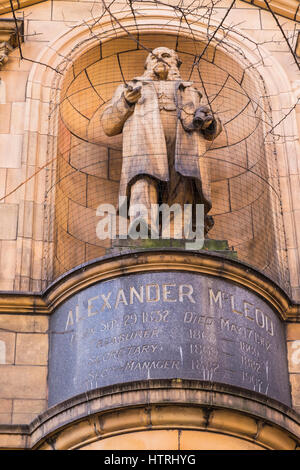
(116, 113)
(213, 130)
(196, 117)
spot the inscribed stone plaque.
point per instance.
(166, 325)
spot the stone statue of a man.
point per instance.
(164, 130)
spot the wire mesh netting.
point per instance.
(236, 178)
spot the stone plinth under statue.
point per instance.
(166, 324)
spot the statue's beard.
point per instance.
(161, 70)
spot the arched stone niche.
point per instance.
(245, 192)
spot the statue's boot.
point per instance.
(139, 228)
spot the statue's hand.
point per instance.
(202, 118)
(132, 95)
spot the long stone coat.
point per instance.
(144, 146)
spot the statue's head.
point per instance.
(162, 64)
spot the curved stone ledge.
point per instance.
(164, 404)
(135, 261)
(170, 259)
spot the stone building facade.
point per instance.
(60, 61)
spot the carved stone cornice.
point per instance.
(145, 261)
(5, 5)
(23, 303)
(156, 405)
(287, 8)
(10, 35)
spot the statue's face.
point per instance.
(161, 61)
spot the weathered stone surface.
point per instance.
(23, 382)
(294, 356)
(7, 347)
(5, 411)
(32, 349)
(193, 440)
(293, 331)
(142, 440)
(166, 325)
(9, 213)
(24, 323)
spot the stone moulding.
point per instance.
(161, 404)
(287, 8)
(139, 262)
(5, 6)
(23, 303)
